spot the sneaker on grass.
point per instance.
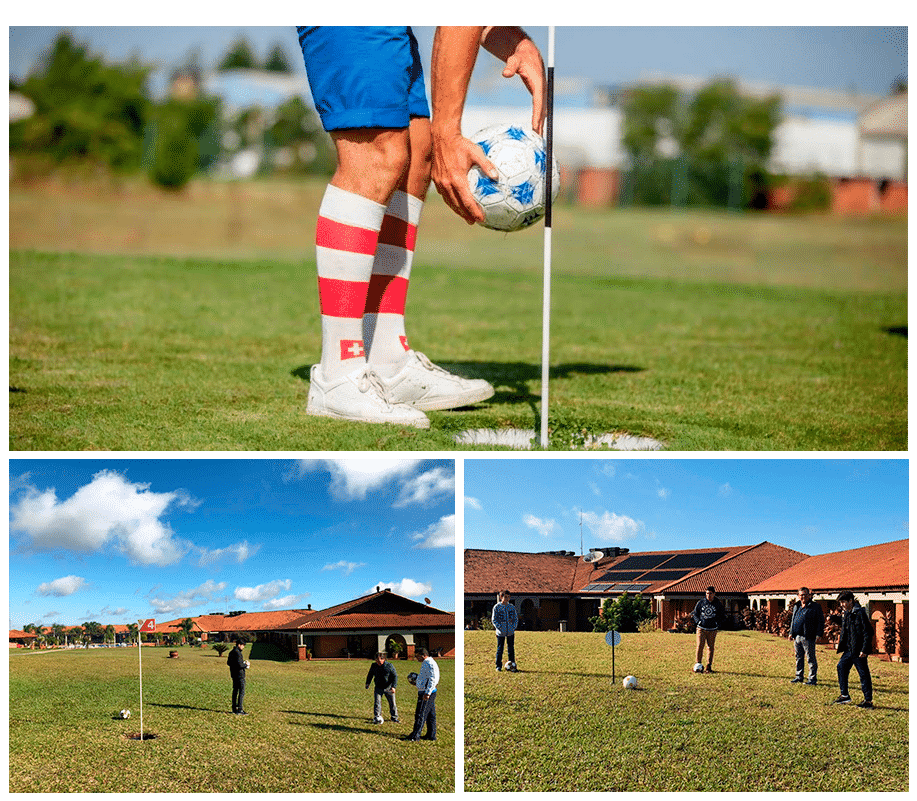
(843, 699)
(865, 705)
(359, 396)
(429, 387)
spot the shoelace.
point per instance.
(428, 365)
(371, 380)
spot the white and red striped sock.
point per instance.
(345, 245)
(383, 322)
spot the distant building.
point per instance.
(876, 574)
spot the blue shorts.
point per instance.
(364, 77)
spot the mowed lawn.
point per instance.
(308, 727)
(147, 322)
(561, 725)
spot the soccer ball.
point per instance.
(511, 667)
(517, 199)
(412, 678)
(698, 668)
(124, 713)
(630, 682)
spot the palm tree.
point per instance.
(57, 633)
(132, 632)
(109, 633)
(185, 627)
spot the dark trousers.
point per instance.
(861, 663)
(238, 692)
(510, 642)
(425, 715)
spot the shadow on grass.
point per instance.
(269, 652)
(319, 714)
(195, 708)
(897, 330)
(510, 379)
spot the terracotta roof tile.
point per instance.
(882, 566)
(487, 572)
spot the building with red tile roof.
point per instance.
(562, 590)
(876, 574)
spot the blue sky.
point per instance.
(865, 58)
(810, 505)
(119, 540)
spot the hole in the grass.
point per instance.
(147, 735)
(521, 439)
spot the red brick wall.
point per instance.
(444, 641)
(597, 187)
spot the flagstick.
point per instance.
(140, 665)
(546, 305)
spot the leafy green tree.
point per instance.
(186, 627)
(277, 61)
(84, 109)
(622, 614)
(109, 633)
(297, 131)
(132, 630)
(239, 56)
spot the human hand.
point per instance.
(453, 157)
(526, 62)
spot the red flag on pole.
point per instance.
(148, 625)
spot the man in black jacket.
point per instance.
(386, 680)
(808, 624)
(237, 666)
(854, 646)
(709, 614)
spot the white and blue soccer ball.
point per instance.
(511, 667)
(698, 667)
(630, 682)
(517, 199)
(124, 714)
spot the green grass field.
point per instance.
(561, 725)
(308, 727)
(147, 322)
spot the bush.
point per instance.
(686, 624)
(811, 194)
(624, 614)
(220, 647)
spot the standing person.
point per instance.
(709, 614)
(368, 88)
(425, 712)
(505, 620)
(237, 667)
(385, 676)
(854, 645)
(806, 626)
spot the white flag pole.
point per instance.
(546, 304)
(140, 666)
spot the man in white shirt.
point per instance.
(425, 713)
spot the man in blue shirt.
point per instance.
(505, 620)
(709, 614)
(807, 625)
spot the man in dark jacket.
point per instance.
(807, 625)
(237, 667)
(709, 614)
(854, 646)
(386, 680)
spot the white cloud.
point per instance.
(108, 510)
(440, 534)
(544, 527)
(609, 469)
(237, 553)
(426, 487)
(595, 488)
(407, 587)
(346, 567)
(287, 602)
(474, 503)
(353, 479)
(663, 493)
(188, 598)
(62, 586)
(725, 490)
(612, 527)
(263, 592)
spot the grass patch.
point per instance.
(703, 330)
(744, 728)
(307, 730)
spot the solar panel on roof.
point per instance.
(664, 575)
(618, 575)
(596, 588)
(695, 560)
(643, 561)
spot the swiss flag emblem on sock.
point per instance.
(404, 342)
(351, 349)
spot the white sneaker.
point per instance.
(428, 387)
(359, 396)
